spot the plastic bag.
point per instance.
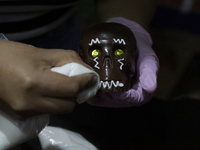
(14, 132)
(53, 138)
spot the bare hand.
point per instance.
(29, 88)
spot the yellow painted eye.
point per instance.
(119, 52)
(95, 53)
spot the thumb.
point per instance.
(148, 74)
(59, 57)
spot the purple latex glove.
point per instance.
(147, 68)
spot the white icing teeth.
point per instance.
(110, 84)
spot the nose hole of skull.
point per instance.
(107, 62)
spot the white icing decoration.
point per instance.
(94, 41)
(95, 59)
(121, 85)
(120, 41)
(121, 63)
(112, 83)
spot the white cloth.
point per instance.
(73, 69)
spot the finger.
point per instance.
(58, 57)
(135, 97)
(58, 85)
(148, 74)
(45, 105)
(147, 63)
(55, 105)
(148, 80)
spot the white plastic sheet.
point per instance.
(53, 138)
(14, 132)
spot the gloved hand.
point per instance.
(147, 68)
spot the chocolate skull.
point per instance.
(110, 48)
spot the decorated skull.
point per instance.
(110, 48)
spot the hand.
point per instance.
(147, 68)
(28, 87)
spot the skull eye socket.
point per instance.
(95, 53)
(119, 52)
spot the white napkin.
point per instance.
(72, 69)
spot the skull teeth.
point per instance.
(110, 84)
